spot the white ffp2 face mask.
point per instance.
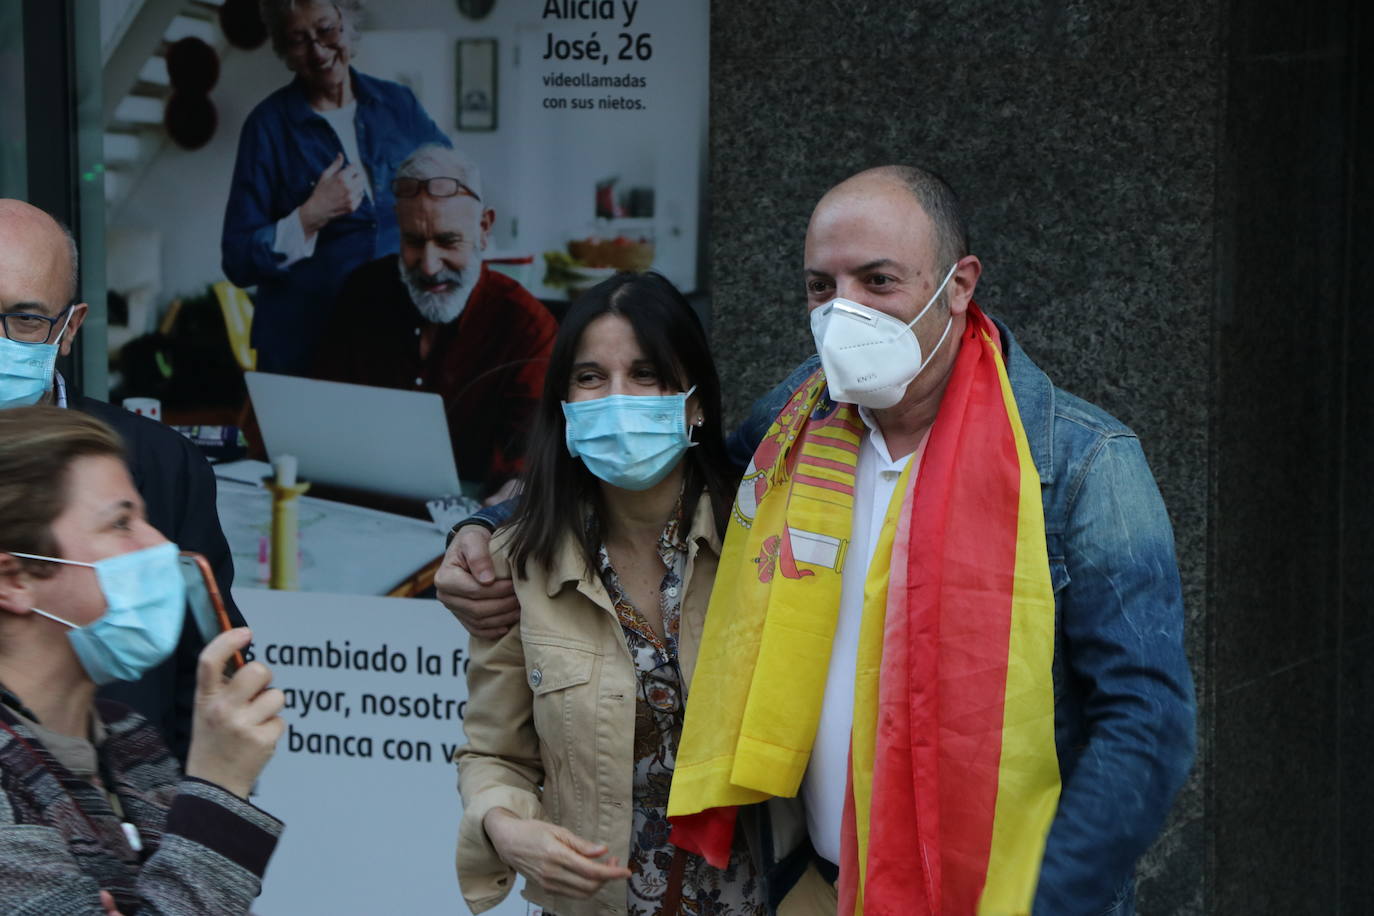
(870, 357)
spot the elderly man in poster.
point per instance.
(435, 318)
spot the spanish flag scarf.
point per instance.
(953, 778)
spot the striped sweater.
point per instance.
(61, 843)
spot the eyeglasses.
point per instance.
(27, 327)
(434, 187)
(326, 36)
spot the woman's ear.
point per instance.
(16, 586)
(695, 415)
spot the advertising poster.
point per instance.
(362, 779)
(343, 234)
(340, 238)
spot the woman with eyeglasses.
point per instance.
(311, 195)
(574, 715)
(95, 814)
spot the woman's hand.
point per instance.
(235, 727)
(337, 193)
(558, 860)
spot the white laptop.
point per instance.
(382, 440)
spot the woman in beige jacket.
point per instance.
(574, 715)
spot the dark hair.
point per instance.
(558, 490)
(37, 448)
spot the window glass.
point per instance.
(13, 166)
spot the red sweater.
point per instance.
(488, 365)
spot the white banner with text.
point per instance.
(376, 695)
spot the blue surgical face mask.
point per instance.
(631, 441)
(26, 369)
(145, 605)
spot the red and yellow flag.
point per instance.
(953, 775)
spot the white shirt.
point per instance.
(823, 788)
(291, 239)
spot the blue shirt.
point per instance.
(283, 148)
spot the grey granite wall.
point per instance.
(1290, 799)
(1155, 188)
(1355, 722)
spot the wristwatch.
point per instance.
(470, 520)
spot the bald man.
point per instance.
(1006, 730)
(41, 315)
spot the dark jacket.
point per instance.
(178, 489)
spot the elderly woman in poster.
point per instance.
(311, 194)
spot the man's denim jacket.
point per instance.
(1123, 692)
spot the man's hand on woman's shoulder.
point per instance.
(475, 586)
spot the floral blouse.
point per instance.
(706, 891)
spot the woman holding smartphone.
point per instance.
(574, 715)
(95, 816)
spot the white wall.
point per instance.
(183, 194)
(539, 167)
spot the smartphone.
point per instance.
(206, 603)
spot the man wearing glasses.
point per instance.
(433, 318)
(39, 317)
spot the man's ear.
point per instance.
(488, 220)
(962, 284)
(16, 586)
(78, 315)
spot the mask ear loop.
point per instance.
(65, 324)
(65, 623)
(687, 394)
(34, 556)
(936, 295)
(936, 349)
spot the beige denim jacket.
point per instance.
(551, 718)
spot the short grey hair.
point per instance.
(277, 13)
(434, 160)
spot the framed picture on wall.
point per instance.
(476, 84)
